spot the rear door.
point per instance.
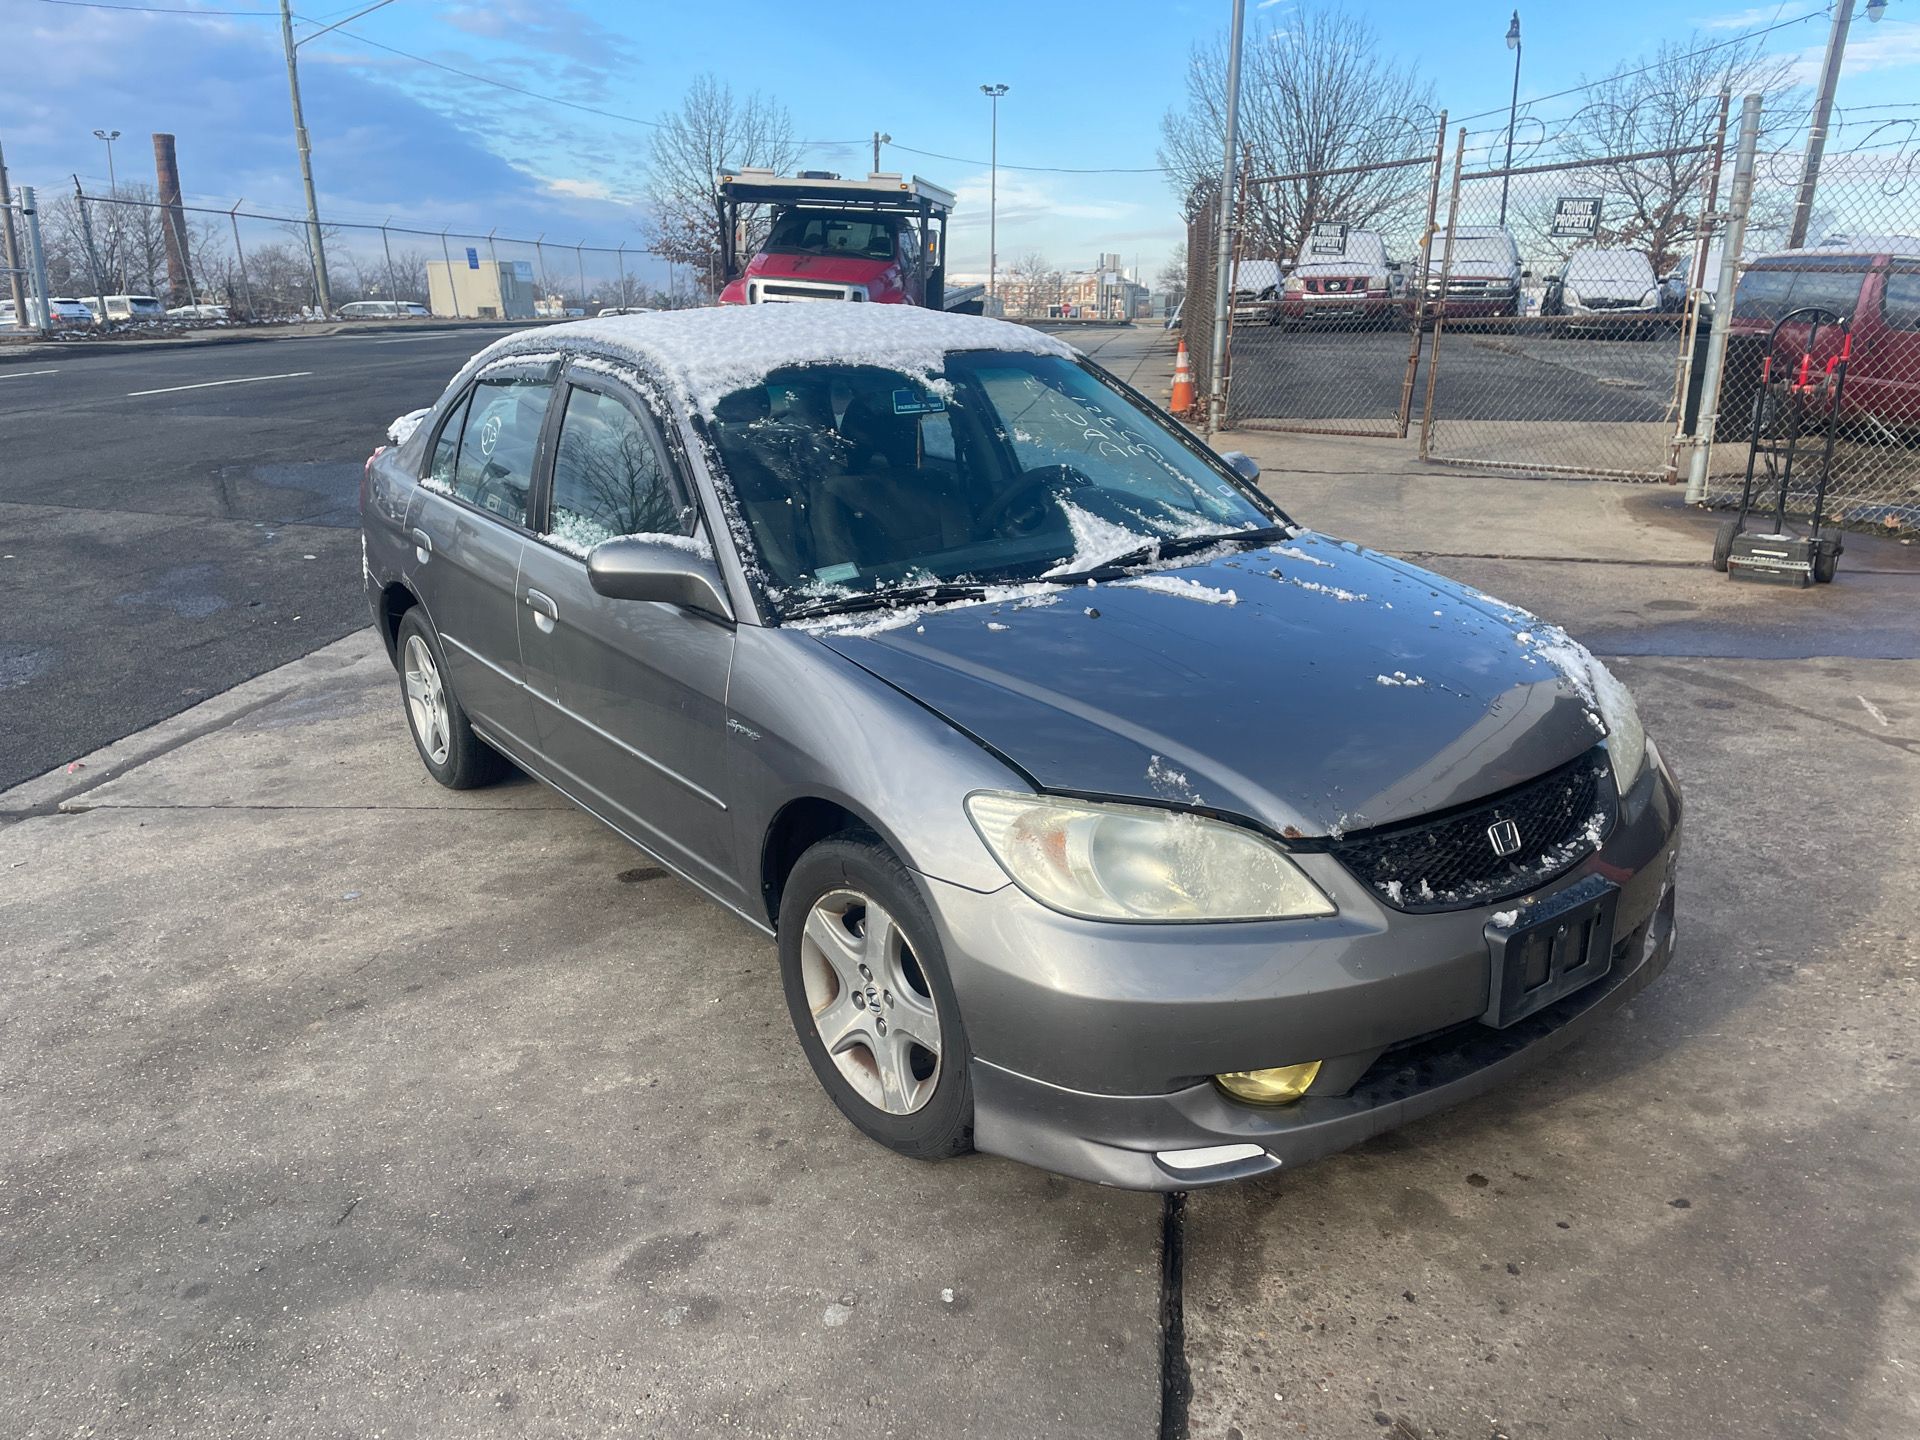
(468, 527)
(629, 696)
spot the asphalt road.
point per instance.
(1358, 375)
(176, 521)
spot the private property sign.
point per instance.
(1328, 240)
(1576, 217)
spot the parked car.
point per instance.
(199, 312)
(624, 310)
(1358, 283)
(67, 313)
(131, 307)
(1607, 289)
(1872, 279)
(1481, 272)
(1256, 291)
(381, 310)
(1105, 818)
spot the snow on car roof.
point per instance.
(708, 353)
(1906, 246)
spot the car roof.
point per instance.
(704, 354)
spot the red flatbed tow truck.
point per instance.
(880, 240)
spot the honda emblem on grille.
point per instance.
(1504, 836)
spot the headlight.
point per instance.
(1571, 296)
(1626, 737)
(1134, 862)
(1652, 297)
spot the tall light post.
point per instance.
(1513, 111)
(1223, 233)
(1822, 113)
(109, 136)
(993, 94)
(322, 289)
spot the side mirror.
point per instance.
(1243, 465)
(666, 570)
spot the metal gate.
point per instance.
(1564, 301)
(1324, 335)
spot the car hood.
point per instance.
(1341, 689)
(1470, 270)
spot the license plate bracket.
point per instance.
(1556, 946)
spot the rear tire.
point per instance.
(867, 990)
(1826, 559)
(452, 753)
(1723, 544)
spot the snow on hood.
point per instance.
(706, 354)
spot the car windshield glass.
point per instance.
(1480, 249)
(825, 233)
(1627, 267)
(851, 481)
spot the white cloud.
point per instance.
(580, 189)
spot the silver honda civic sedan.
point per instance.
(1105, 817)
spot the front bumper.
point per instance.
(1095, 1046)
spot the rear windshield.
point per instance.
(1766, 293)
(822, 233)
(1481, 249)
(1363, 248)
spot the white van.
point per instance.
(132, 307)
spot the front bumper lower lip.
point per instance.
(1198, 1137)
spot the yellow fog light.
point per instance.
(1278, 1086)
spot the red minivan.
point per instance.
(1873, 279)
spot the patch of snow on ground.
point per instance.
(1399, 677)
(1334, 590)
(1186, 589)
(401, 430)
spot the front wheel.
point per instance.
(867, 989)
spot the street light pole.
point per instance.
(1513, 112)
(1223, 239)
(1822, 113)
(113, 185)
(993, 94)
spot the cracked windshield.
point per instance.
(857, 483)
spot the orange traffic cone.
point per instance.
(1182, 400)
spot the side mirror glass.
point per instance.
(666, 569)
(1243, 465)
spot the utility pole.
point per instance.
(36, 259)
(100, 316)
(1822, 113)
(10, 247)
(878, 141)
(1223, 247)
(993, 93)
(314, 243)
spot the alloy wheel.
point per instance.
(871, 1003)
(427, 701)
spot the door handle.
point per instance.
(545, 612)
(422, 546)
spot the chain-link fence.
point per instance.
(1853, 254)
(132, 258)
(1326, 333)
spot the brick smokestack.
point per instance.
(173, 220)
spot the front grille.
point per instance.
(1449, 861)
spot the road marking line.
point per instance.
(414, 339)
(22, 374)
(209, 384)
(1875, 711)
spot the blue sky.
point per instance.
(1088, 87)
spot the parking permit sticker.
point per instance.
(834, 574)
(913, 402)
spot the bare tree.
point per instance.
(1032, 284)
(1172, 280)
(1317, 96)
(1654, 108)
(710, 130)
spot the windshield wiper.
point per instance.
(891, 599)
(1168, 549)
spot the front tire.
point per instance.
(1723, 543)
(867, 990)
(452, 753)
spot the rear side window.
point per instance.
(1769, 294)
(498, 444)
(1900, 305)
(609, 477)
(447, 448)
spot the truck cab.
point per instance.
(879, 240)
